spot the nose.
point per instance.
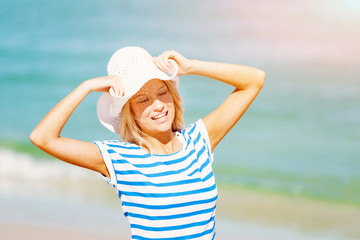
(158, 105)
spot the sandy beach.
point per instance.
(299, 213)
(241, 215)
(55, 217)
(17, 231)
(78, 204)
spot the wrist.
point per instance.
(85, 87)
(192, 67)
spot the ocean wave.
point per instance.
(15, 165)
(25, 173)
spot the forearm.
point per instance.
(239, 76)
(52, 124)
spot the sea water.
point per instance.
(301, 136)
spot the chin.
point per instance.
(155, 127)
(165, 127)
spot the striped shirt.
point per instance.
(165, 196)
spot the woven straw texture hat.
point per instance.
(135, 67)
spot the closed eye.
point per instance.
(142, 100)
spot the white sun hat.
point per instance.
(135, 67)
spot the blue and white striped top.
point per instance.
(165, 196)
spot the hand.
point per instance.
(105, 84)
(163, 64)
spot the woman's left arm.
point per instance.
(247, 81)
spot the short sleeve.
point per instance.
(205, 135)
(104, 150)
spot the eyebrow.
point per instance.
(163, 86)
(142, 94)
(138, 95)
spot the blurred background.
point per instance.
(290, 168)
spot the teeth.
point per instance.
(159, 116)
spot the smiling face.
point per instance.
(153, 108)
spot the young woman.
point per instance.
(161, 170)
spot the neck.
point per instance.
(164, 143)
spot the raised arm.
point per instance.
(47, 137)
(247, 81)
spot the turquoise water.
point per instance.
(301, 136)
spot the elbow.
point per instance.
(260, 78)
(36, 139)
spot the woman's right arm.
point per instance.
(46, 135)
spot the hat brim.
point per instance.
(109, 106)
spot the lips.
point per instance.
(159, 116)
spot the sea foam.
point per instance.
(21, 172)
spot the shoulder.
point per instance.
(196, 135)
(195, 130)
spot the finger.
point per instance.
(112, 89)
(115, 90)
(164, 60)
(159, 62)
(118, 85)
(121, 88)
(172, 54)
(156, 62)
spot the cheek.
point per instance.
(167, 98)
(139, 112)
(171, 103)
(135, 111)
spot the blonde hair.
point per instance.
(130, 130)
